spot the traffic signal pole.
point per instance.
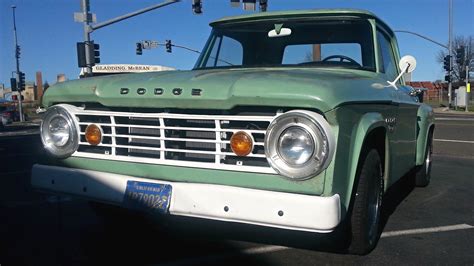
(17, 57)
(85, 8)
(87, 18)
(450, 49)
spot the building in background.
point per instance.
(39, 85)
(61, 78)
(29, 92)
(2, 88)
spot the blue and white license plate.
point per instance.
(149, 197)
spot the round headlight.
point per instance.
(299, 144)
(59, 131)
(295, 145)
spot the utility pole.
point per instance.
(17, 57)
(468, 64)
(450, 45)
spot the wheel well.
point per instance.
(431, 130)
(376, 139)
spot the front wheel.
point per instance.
(367, 202)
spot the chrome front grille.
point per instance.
(189, 140)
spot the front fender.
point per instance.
(367, 123)
(350, 140)
(425, 121)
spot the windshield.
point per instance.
(315, 43)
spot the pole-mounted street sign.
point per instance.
(90, 18)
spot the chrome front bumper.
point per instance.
(215, 202)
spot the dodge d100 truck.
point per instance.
(297, 120)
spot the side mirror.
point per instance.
(407, 64)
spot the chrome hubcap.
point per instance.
(428, 161)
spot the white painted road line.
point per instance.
(261, 250)
(455, 141)
(428, 230)
(269, 249)
(453, 119)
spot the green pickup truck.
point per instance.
(297, 120)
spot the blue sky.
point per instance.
(48, 34)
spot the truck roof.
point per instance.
(297, 14)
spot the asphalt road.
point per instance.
(433, 225)
(454, 135)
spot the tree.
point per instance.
(468, 43)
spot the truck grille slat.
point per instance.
(192, 140)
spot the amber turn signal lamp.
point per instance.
(241, 143)
(93, 134)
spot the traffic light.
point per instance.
(462, 75)
(15, 97)
(95, 53)
(21, 82)
(139, 50)
(460, 55)
(263, 5)
(17, 51)
(447, 63)
(168, 46)
(447, 78)
(13, 84)
(81, 54)
(197, 6)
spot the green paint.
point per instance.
(278, 28)
(313, 186)
(354, 102)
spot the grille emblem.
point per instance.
(196, 92)
(141, 91)
(158, 91)
(124, 91)
(177, 91)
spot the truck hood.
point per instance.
(319, 88)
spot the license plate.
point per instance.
(149, 197)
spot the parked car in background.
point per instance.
(13, 113)
(298, 120)
(5, 117)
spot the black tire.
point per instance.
(367, 202)
(423, 172)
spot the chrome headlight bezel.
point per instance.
(322, 137)
(71, 145)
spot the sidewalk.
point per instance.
(445, 110)
(21, 128)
